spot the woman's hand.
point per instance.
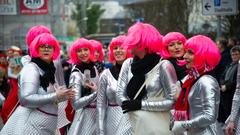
(177, 127)
(64, 94)
(131, 105)
(91, 85)
(230, 128)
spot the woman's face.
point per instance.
(176, 49)
(83, 55)
(96, 55)
(119, 54)
(46, 52)
(139, 53)
(189, 58)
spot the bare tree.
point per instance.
(166, 15)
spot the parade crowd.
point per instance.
(142, 83)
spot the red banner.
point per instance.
(33, 7)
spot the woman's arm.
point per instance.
(123, 81)
(28, 89)
(102, 103)
(210, 98)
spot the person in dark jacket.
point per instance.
(228, 85)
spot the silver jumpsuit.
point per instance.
(235, 112)
(204, 98)
(111, 120)
(37, 113)
(84, 122)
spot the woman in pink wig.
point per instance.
(173, 50)
(38, 111)
(196, 109)
(111, 120)
(98, 55)
(84, 81)
(146, 70)
(33, 32)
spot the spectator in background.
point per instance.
(4, 84)
(231, 42)
(228, 85)
(14, 55)
(233, 125)
(3, 59)
(107, 63)
(225, 58)
(219, 70)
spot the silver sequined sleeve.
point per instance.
(102, 103)
(167, 80)
(75, 83)
(123, 81)
(59, 72)
(236, 98)
(204, 98)
(29, 86)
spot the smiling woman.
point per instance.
(83, 80)
(196, 109)
(111, 120)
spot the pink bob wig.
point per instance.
(44, 39)
(35, 31)
(78, 44)
(117, 41)
(206, 53)
(97, 46)
(143, 36)
(167, 39)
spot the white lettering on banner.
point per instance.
(8, 7)
(220, 7)
(33, 4)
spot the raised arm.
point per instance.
(29, 84)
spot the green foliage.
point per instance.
(93, 14)
(76, 14)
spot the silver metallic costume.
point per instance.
(165, 78)
(84, 122)
(204, 98)
(37, 113)
(62, 119)
(235, 112)
(111, 120)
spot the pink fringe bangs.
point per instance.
(167, 39)
(119, 40)
(78, 44)
(97, 46)
(41, 39)
(205, 50)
